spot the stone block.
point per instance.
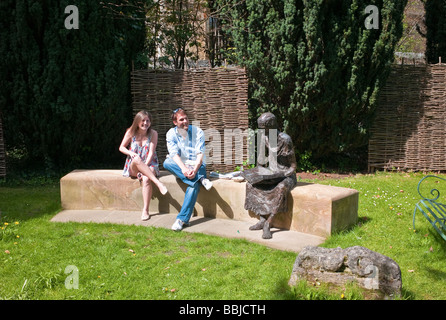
(369, 269)
(313, 208)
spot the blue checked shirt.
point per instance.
(187, 148)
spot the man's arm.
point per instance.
(198, 163)
(174, 151)
(199, 149)
(185, 170)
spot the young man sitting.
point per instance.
(185, 144)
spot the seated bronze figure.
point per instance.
(268, 185)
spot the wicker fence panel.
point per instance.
(409, 131)
(216, 98)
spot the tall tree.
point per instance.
(175, 32)
(436, 30)
(316, 65)
(65, 94)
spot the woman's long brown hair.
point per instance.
(138, 117)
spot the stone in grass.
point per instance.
(368, 269)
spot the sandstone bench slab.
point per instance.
(313, 208)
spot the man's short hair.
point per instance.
(175, 112)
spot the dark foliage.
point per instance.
(315, 65)
(65, 93)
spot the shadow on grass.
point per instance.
(283, 291)
(438, 238)
(407, 294)
(360, 222)
(29, 202)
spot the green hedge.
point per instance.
(315, 65)
(435, 20)
(65, 93)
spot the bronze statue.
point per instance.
(267, 187)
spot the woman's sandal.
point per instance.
(145, 218)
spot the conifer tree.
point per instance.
(436, 30)
(65, 93)
(316, 65)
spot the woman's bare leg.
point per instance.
(139, 166)
(146, 196)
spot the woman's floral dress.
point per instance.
(143, 152)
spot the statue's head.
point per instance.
(267, 121)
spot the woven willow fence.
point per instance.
(216, 98)
(409, 131)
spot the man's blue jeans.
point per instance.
(193, 187)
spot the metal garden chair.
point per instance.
(433, 210)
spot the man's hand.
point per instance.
(188, 171)
(190, 174)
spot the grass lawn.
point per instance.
(137, 262)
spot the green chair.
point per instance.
(431, 208)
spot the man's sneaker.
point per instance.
(206, 184)
(178, 225)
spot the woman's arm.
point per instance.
(152, 146)
(124, 144)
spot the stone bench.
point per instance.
(313, 208)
